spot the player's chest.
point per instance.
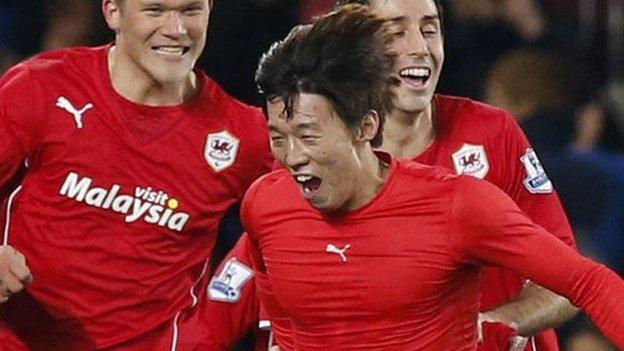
(380, 270)
(137, 164)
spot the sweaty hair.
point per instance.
(438, 5)
(342, 56)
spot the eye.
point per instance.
(193, 11)
(153, 11)
(429, 30)
(310, 139)
(277, 140)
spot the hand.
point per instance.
(14, 273)
(275, 348)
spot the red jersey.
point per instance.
(486, 142)
(118, 211)
(402, 272)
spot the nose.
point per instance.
(174, 24)
(296, 154)
(416, 44)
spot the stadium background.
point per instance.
(558, 65)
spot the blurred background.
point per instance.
(557, 65)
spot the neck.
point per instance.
(137, 85)
(372, 176)
(407, 135)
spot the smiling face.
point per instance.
(320, 151)
(420, 48)
(158, 39)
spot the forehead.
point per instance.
(413, 10)
(307, 110)
(170, 3)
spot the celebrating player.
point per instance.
(132, 158)
(478, 140)
(366, 252)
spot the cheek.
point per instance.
(278, 153)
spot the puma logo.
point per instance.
(64, 104)
(331, 248)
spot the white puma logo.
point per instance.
(64, 104)
(331, 248)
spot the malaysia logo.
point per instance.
(471, 160)
(154, 207)
(226, 286)
(537, 181)
(221, 150)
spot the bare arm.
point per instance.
(534, 310)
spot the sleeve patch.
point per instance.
(537, 181)
(227, 285)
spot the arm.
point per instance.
(535, 309)
(489, 228)
(16, 139)
(233, 306)
(526, 182)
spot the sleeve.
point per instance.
(233, 305)
(524, 179)
(18, 128)
(486, 227)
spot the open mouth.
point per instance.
(309, 185)
(417, 77)
(173, 51)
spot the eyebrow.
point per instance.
(431, 18)
(302, 125)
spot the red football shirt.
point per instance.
(118, 211)
(402, 273)
(486, 142)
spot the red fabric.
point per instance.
(117, 219)
(424, 226)
(496, 336)
(461, 121)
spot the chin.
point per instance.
(172, 77)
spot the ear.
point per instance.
(369, 126)
(112, 13)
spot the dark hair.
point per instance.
(438, 5)
(342, 56)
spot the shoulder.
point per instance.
(262, 194)
(469, 114)
(246, 122)
(409, 170)
(58, 62)
(267, 184)
(220, 100)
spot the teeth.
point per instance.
(415, 72)
(303, 178)
(170, 50)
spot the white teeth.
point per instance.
(303, 178)
(415, 73)
(170, 50)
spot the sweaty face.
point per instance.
(318, 149)
(162, 38)
(420, 48)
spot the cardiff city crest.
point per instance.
(471, 160)
(221, 150)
